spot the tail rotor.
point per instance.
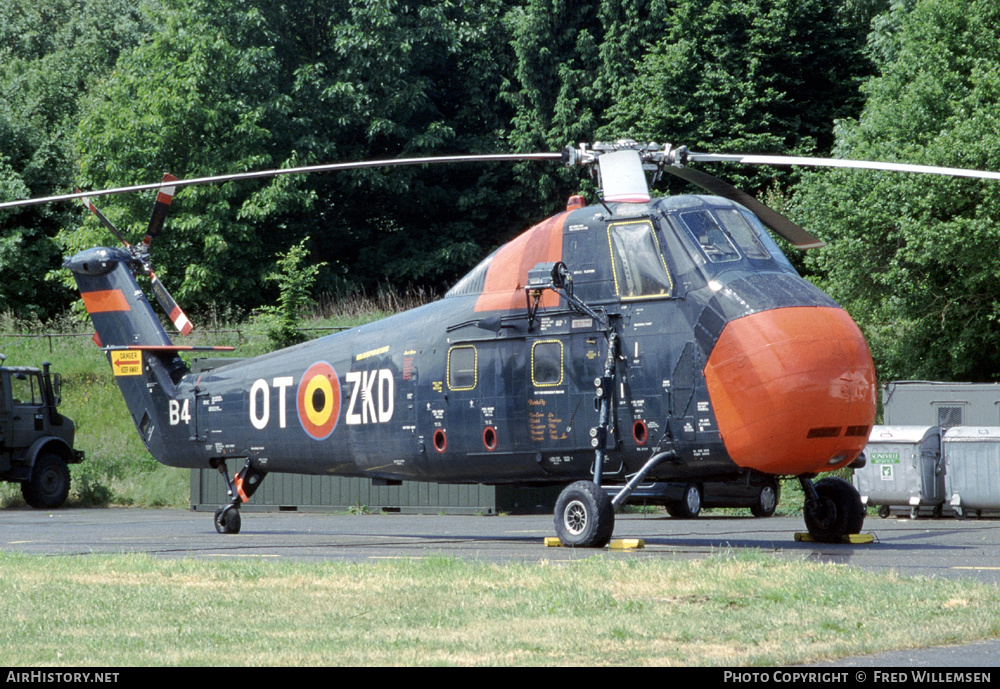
(140, 252)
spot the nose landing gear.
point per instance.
(833, 509)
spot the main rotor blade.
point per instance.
(840, 163)
(771, 218)
(390, 162)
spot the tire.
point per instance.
(584, 516)
(228, 520)
(767, 500)
(48, 486)
(883, 511)
(838, 514)
(689, 506)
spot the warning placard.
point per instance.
(127, 363)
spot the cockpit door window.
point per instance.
(638, 266)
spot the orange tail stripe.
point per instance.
(102, 301)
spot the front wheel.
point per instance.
(837, 513)
(48, 486)
(584, 516)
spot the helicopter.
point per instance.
(633, 339)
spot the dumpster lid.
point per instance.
(970, 433)
(904, 434)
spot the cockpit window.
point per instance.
(745, 237)
(638, 266)
(710, 237)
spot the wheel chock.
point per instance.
(627, 544)
(616, 544)
(850, 539)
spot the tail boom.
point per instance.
(142, 357)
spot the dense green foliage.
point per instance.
(105, 93)
(51, 53)
(913, 257)
(773, 77)
(102, 93)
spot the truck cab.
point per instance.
(36, 441)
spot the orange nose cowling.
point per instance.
(793, 389)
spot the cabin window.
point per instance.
(710, 236)
(741, 231)
(638, 266)
(462, 367)
(547, 363)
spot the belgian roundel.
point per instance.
(318, 400)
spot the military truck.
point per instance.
(36, 441)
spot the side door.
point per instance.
(5, 421)
(27, 413)
(563, 357)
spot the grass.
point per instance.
(745, 609)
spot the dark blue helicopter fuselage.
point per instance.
(725, 357)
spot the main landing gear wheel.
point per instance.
(689, 506)
(584, 516)
(227, 519)
(836, 513)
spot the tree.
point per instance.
(50, 52)
(236, 85)
(573, 62)
(913, 257)
(748, 76)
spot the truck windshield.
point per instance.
(25, 388)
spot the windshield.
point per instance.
(715, 243)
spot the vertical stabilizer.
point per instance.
(123, 319)
(118, 308)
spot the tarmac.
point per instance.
(944, 548)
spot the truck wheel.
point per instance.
(48, 486)
(767, 500)
(690, 505)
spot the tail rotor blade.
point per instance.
(141, 252)
(174, 312)
(160, 208)
(104, 221)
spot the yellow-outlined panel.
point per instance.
(659, 255)
(475, 367)
(562, 367)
